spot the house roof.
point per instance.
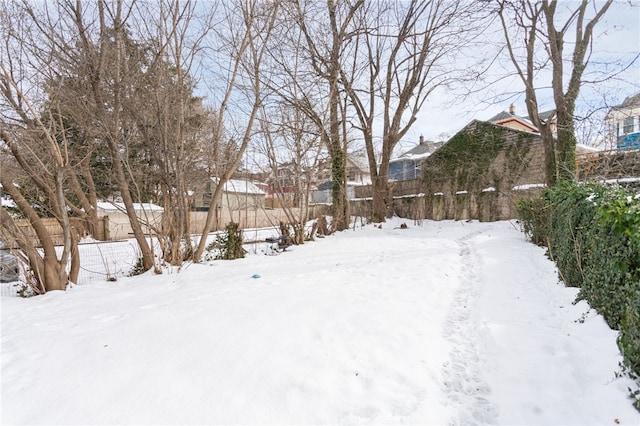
(420, 151)
(544, 116)
(119, 207)
(238, 186)
(631, 101)
(505, 117)
(474, 121)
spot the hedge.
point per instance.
(592, 233)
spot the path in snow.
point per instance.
(462, 381)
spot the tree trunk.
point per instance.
(566, 147)
(380, 199)
(340, 206)
(112, 142)
(48, 272)
(549, 145)
(123, 185)
(55, 277)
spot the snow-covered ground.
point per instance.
(441, 323)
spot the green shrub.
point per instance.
(629, 341)
(608, 273)
(574, 212)
(229, 243)
(137, 268)
(592, 232)
(533, 215)
(613, 272)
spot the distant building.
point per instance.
(358, 170)
(281, 186)
(511, 120)
(324, 193)
(624, 120)
(236, 195)
(358, 174)
(118, 225)
(407, 166)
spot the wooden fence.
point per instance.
(109, 229)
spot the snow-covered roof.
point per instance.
(119, 207)
(420, 151)
(240, 186)
(413, 156)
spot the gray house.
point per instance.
(407, 166)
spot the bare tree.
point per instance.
(34, 137)
(326, 57)
(103, 89)
(546, 29)
(170, 117)
(215, 149)
(294, 121)
(243, 39)
(405, 51)
(110, 66)
(294, 153)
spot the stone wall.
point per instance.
(488, 206)
(478, 174)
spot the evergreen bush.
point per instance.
(592, 232)
(137, 268)
(229, 243)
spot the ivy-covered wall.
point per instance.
(484, 155)
(479, 168)
(480, 173)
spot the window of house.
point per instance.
(627, 125)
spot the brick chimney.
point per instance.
(421, 139)
(512, 109)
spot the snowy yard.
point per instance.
(442, 323)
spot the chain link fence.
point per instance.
(99, 261)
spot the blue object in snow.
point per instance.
(255, 276)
